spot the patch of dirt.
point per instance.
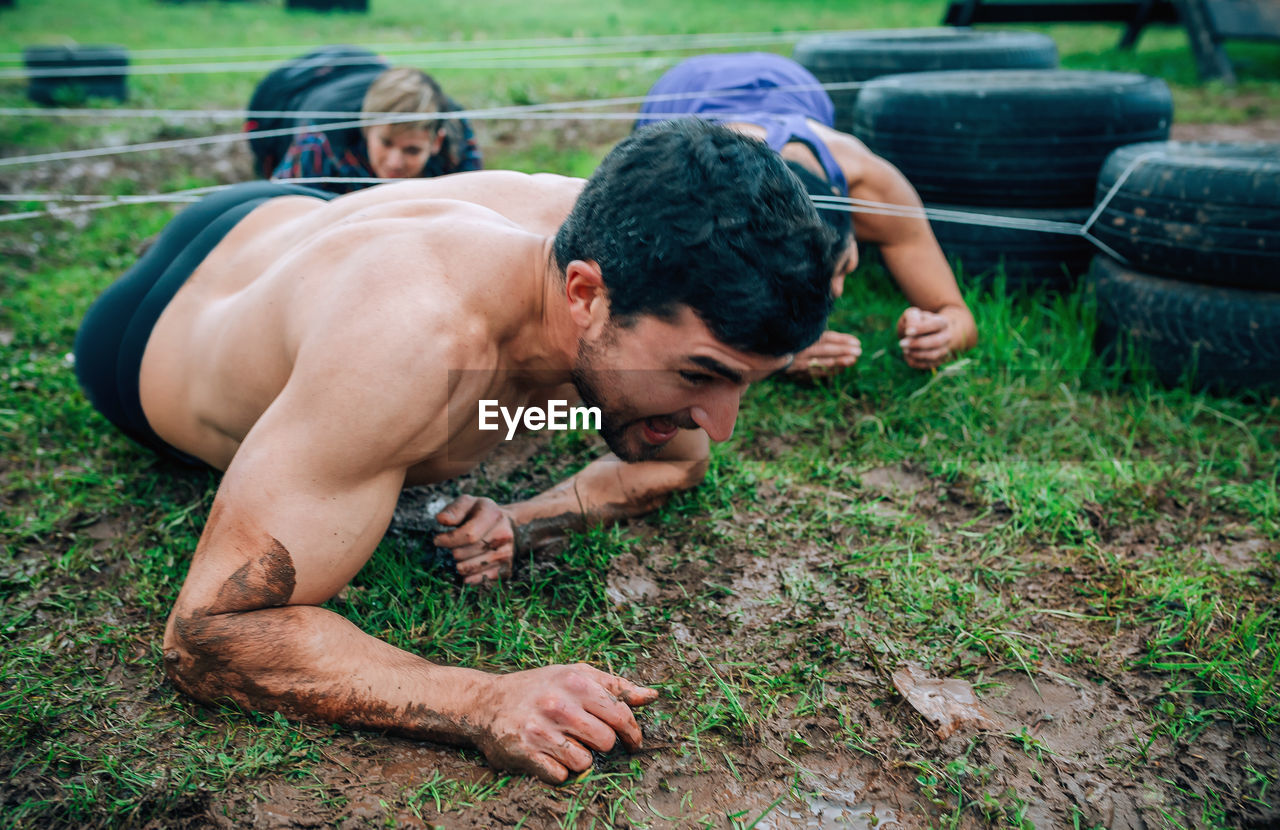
(152, 172)
(1264, 129)
(895, 481)
(1241, 551)
(500, 138)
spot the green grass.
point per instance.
(1086, 499)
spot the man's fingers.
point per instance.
(619, 718)
(915, 321)
(489, 575)
(639, 696)
(496, 543)
(837, 337)
(456, 511)
(572, 755)
(472, 531)
(927, 343)
(626, 691)
(928, 360)
(494, 562)
(829, 350)
(593, 731)
(481, 531)
(928, 323)
(547, 768)
(822, 359)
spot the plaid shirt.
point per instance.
(312, 155)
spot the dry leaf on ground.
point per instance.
(947, 704)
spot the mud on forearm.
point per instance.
(247, 646)
(311, 664)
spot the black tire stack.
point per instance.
(70, 74)
(1199, 224)
(329, 5)
(1013, 143)
(861, 56)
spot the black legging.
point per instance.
(112, 338)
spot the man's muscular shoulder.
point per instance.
(538, 202)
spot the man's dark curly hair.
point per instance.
(689, 213)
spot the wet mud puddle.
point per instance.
(831, 802)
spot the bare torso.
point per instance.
(228, 342)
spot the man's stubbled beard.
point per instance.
(586, 378)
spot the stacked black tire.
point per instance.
(860, 56)
(70, 74)
(1011, 143)
(1199, 297)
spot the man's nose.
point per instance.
(718, 412)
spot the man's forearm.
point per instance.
(605, 490)
(309, 663)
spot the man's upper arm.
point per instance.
(311, 489)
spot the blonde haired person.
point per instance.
(344, 80)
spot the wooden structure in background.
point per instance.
(329, 5)
(1208, 22)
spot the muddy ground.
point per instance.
(1069, 745)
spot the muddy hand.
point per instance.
(546, 721)
(483, 539)
(926, 338)
(833, 351)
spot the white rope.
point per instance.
(970, 218)
(525, 112)
(572, 57)
(193, 194)
(563, 56)
(945, 215)
(690, 40)
(653, 61)
(847, 205)
(167, 145)
(1106, 200)
(493, 113)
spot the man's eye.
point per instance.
(695, 377)
(412, 151)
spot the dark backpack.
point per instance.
(328, 79)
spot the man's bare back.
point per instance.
(424, 255)
(325, 354)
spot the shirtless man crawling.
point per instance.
(326, 354)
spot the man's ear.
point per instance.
(587, 296)
(439, 142)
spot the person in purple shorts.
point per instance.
(781, 103)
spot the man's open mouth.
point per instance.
(660, 429)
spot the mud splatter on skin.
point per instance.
(266, 583)
(287, 677)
